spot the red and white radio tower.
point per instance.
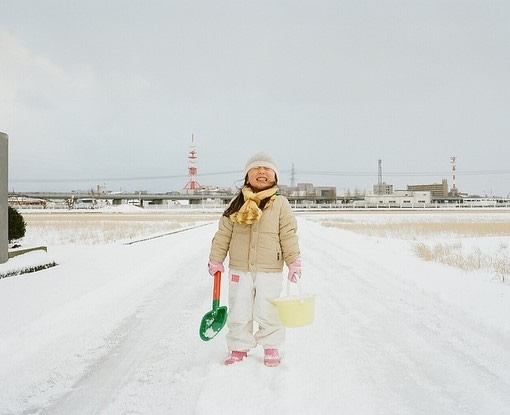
(192, 170)
(454, 168)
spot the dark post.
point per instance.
(4, 215)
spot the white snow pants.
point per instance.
(249, 300)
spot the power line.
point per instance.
(116, 179)
(373, 173)
(296, 172)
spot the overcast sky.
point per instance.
(100, 90)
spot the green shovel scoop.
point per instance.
(214, 320)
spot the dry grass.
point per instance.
(90, 229)
(116, 217)
(413, 230)
(452, 254)
(496, 262)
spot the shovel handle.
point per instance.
(216, 290)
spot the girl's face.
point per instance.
(261, 178)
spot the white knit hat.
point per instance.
(261, 159)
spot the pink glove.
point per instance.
(295, 270)
(215, 266)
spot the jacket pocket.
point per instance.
(269, 253)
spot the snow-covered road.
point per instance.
(114, 330)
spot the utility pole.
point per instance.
(454, 169)
(379, 179)
(292, 176)
(4, 210)
(379, 173)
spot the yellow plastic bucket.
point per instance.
(295, 311)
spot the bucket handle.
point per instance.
(298, 283)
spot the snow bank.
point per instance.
(29, 262)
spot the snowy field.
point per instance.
(401, 326)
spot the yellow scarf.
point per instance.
(250, 211)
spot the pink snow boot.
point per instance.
(271, 357)
(235, 357)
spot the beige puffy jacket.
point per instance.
(262, 246)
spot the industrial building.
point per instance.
(384, 193)
(303, 190)
(400, 198)
(436, 189)
(383, 189)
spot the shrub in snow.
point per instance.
(26, 270)
(17, 225)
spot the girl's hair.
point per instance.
(238, 200)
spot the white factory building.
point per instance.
(400, 198)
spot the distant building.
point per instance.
(308, 189)
(436, 189)
(207, 189)
(383, 189)
(401, 198)
(27, 202)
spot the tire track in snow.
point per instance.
(436, 353)
(151, 339)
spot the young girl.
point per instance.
(258, 231)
